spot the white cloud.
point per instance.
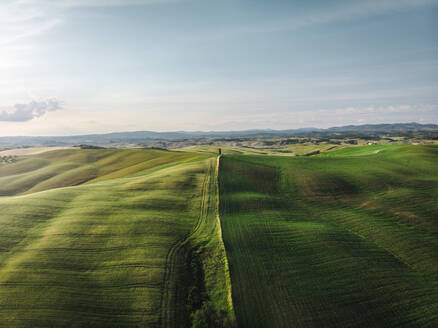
(22, 20)
(29, 111)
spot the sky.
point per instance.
(94, 66)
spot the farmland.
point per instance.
(155, 238)
(218, 164)
(104, 253)
(63, 168)
(342, 240)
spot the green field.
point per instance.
(288, 150)
(71, 167)
(123, 248)
(347, 239)
(154, 238)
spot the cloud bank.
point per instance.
(27, 112)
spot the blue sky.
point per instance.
(91, 66)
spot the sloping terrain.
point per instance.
(132, 238)
(204, 290)
(345, 240)
(98, 254)
(70, 167)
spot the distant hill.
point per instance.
(387, 128)
(149, 137)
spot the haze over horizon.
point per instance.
(93, 66)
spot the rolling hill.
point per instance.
(348, 239)
(62, 168)
(133, 238)
(111, 238)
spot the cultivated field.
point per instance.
(348, 239)
(29, 151)
(289, 150)
(133, 238)
(71, 167)
(113, 252)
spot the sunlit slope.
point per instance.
(95, 255)
(70, 167)
(364, 150)
(198, 284)
(343, 241)
(228, 150)
(289, 150)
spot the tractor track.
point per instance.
(167, 315)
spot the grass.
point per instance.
(346, 239)
(70, 167)
(361, 150)
(287, 150)
(97, 254)
(203, 280)
(226, 150)
(29, 151)
(132, 238)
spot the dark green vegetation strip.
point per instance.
(96, 254)
(347, 240)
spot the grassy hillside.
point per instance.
(70, 167)
(286, 150)
(131, 238)
(343, 240)
(113, 252)
(204, 289)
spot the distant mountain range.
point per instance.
(397, 127)
(149, 137)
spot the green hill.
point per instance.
(129, 248)
(71, 167)
(132, 238)
(348, 239)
